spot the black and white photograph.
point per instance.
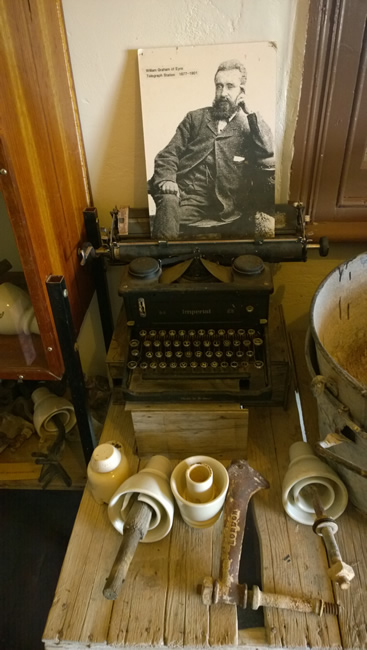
(209, 123)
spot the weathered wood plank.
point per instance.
(223, 628)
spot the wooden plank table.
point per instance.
(159, 605)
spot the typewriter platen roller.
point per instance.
(197, 330)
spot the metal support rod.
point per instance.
(65, 330)
(99, 275)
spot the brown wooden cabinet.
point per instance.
(329, 170)
(44, 178)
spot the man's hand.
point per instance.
(169, 187)
(242, 101)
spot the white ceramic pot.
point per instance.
(199, 485)
(306, 469)
(16, 311)
(151, 485)
(46, 405)
(107, 469)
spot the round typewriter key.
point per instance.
(162, 365)
(246, 343)
(193, 364)
(149, 355)
(179, 354)
(153, 365)
(147, 345)
(143, 365)
(226, 343)
(176, 343)
(231, 333)
(132, 365)
(203, 364)
(183, 364)
(152, 334)
(206, 343)
(188, 354)
(209, 354)
(198, 354)
(249, 354)
(158, 354)
(201, 333)
(182, 334)
(251, 333)
(240, 354)
(167, 344)
(172, 333)
(211, 333)
(234, 364)
(168, 354)
(143, 334)
(241, 333)
(224, 364)
(236, 343)
(192, 334)
(216, 344)
(257, 341)
(173, 364)
(196, 344)
(244, 365)
(134, 343)
(221, 332)
(218, 354)
(134, 352)
(229, 354)
(186, 344)
(259, 364)
(162, 333)
(214, 364)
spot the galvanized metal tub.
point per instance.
(336, 353)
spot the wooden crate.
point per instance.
(181, 430)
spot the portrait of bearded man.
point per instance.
(216, 175)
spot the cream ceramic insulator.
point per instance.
(107, 469)
(199, 483)
(16, 311)
(151, 486)
(195, 513)
(306, 469)
(46, 405)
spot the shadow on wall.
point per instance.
(122, 162)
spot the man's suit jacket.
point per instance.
(245, 144)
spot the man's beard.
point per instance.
(224, 108)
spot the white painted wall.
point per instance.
(103, 37)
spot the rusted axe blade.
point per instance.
(244, 482)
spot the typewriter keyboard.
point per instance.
(197, 352)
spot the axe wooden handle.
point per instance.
(135, 528)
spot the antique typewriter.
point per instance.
(194, 324)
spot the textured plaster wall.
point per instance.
(103, 37)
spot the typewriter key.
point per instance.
(173, 364)
(176, 344)
(206, 344)
(257, 341)
(168, 354)
(167, 344)
(218, 354)
(183, 364)
(149, 355)
(226, 344)
(240, 354)
(134, 343)
(229, 354)
(172, 334)
(198, 354)
(143, 334)
(241, 334)
(135, 352)
(162, 334)
(251, 333)
(259, 364)
(211, 333)
(188, 354)
(132, 365)
(193, 364)
(234, 364)
(201, 333)
(182, 334)
(186, 344)
(221, 333)
(196, 344)
(208, 354)
(143, 365)
(231, 333)
(158, 354)
(152, 334)
(203, 364)
(249, 354)
(192, 334)
(224, 364)
(162, 365)
(236, 343)
(214, 364)
(153, 365)
(147, 345)
(179, 354)
(245, 365)
(156, 344)
(246, 343)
